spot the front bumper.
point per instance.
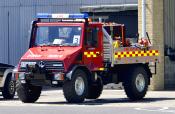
(40, 79)
(40, 72)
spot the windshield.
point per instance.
(58, 36)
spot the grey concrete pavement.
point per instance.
(77, 110)
(110, 102)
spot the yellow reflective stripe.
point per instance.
(136, 54)
(85, 53)
(91, 54)
(101, 69)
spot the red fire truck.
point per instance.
(82, 56)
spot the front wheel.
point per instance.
(76, 89)
(28, 93)
(136, 83)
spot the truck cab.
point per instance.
(68, 50)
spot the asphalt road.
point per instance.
(111, 102)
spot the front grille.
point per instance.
(48, 65)
(54, 65)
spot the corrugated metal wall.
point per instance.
(16, 16)
(169, 21)
(169, 36)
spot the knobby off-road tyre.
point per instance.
(28, 93)
(8, 91)
(95, 90)
(75, 90)
(136, 83)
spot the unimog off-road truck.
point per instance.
(82, 56)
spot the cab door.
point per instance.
(93, 54)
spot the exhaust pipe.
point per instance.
(143, 18)
(145, 40)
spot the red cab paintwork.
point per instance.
(69, 54)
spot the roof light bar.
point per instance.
(62, 16)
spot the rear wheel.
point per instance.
(95, 89)
(76, 89)
(8, 91)
(28, 93)
(136, 83)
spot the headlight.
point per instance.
(23, 64)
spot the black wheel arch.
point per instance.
(123, 69)
(69, 74)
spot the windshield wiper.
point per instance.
(55, 44)
(49, 44)
(69, 44)
(44, 44)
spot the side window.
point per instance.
(92, 37)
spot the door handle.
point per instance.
(90, 48)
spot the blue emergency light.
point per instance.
(62, 16)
